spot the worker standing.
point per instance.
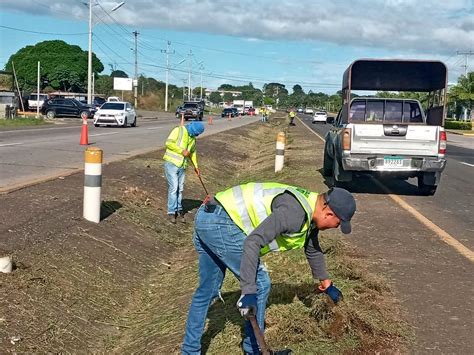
(263, 113)
(180, 146)
(292, 116)
(237, 226)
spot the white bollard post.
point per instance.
(6, 264)
(92, 184)
(280, 152)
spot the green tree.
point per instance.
(463, 93)
(104, 84)
(215, 97)
(118, 74)
(63, 66)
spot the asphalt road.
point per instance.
(34, 154)
(423, 246)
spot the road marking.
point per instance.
(9, 144)
(102, 134)
(467, 164)
(155, 127)
(442, 234)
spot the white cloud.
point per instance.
(429, 26)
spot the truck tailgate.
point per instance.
(412, 140)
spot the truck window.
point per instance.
(393, 111)
(357, 112)
(412, 113)
(374, 111)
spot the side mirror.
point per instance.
(330, 120)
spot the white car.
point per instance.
(320, 116)
(308, 111)
(116, 114)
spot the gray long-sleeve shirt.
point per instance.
(287, 217)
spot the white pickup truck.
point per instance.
(390, 137)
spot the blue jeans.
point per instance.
(175, 177)
(219, 243)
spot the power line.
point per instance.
(44, 33)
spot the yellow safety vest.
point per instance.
(249, 204)
(292, 114)
(179, 140)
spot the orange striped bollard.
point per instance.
(92, 184)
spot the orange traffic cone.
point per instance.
(84, 132)
(210, 120)
(182, 120)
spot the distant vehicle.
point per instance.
(308, 111)
(300, 110)
(190, 110)
(228, 111)
(251, 111)
(390, 137)
(116, 114)
(320, 116)
(35, 100)
(113, 99)
(96, 102)
(66, 107)
(236, 111)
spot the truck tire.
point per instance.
(424, 189)
(328, 163)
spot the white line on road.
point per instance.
(8, 144)
(155, 128)
(102, 134)
(466, 163)
(442, 234)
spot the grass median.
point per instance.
(22, 121)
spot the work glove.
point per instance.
(334, 293)
(247, 304)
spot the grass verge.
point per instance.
(20, 122)
(368, 321)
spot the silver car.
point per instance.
(119, 114)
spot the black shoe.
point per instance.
(292, 124)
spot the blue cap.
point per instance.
(342, 203)
(195, 128)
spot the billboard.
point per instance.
(124, 84)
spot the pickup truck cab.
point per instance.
(387, 137)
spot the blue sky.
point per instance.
(240, 41)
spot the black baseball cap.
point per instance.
(342, 203)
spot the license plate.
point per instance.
(393, 162)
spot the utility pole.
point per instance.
(466, 56)
(190, 58)
(89, 58)
(168, 52)
(201, 67)
(38, 91)
(135, 81)
(184, 89)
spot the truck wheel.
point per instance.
(327, 164)
(426, 190)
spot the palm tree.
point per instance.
(463, 93)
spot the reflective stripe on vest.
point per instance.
(184, 141)
(249, 204)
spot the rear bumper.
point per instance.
(408, 164)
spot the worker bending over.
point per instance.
(237, 226)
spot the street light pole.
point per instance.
(135, 83)
(89, 58)
(189, 75)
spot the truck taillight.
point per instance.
(442, 142)
(346, 139)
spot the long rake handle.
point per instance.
(258, 334)
(199, 176)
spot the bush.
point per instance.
(464, 125)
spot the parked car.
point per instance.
(66, 107)
(300, 110)
(251, 111)
(190, 110)
(236, 111)
(389, 137)
(320, 117)
(35, 100)
(113, 99)
(116, 114)
(308, 111)
(97, 102)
